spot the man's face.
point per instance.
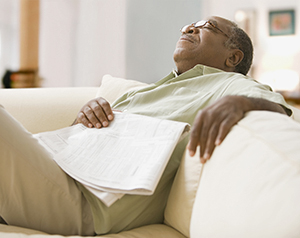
(203, 45)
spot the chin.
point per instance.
(179, 55)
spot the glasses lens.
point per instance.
(200, 23)
(183, 29)
(196, 24)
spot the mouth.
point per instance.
(187, 38)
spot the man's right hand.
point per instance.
(96, 113)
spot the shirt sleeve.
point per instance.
(250, 88)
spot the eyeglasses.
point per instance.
(200, 24)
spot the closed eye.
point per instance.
(210, 28)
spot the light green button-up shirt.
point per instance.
(180, 97)
(175, 98)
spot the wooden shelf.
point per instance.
(292, 98)
(27, 78)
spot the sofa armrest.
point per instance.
(44, 109)
(250, 186)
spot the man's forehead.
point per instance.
(217, 20)
(220, 22)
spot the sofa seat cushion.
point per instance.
(250, 186)
(157, 231)
(183, 192)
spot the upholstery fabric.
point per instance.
(181, 199)
(45, 109)
(113, 87)
(250, 186)
(151, 231)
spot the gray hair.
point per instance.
(238, 39)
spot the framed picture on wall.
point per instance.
(282, 22)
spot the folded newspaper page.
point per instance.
(127, 157)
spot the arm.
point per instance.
(213, 123)
(96, 113)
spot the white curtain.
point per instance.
(9, 35)
(82, 40)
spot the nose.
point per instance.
(190, 29)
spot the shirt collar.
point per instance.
(175, 73)
(198, 70)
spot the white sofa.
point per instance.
(249, 188)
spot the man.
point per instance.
(211, 58)
(205, 47)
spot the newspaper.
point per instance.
(127, 157)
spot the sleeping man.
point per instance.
(209, 90)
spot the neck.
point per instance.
(181, 70)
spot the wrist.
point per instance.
(248, 104)
(251, 104)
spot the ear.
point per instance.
(235, 57)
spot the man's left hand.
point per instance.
(213, 123)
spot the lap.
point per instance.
(34, 191)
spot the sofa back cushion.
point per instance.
(113, 87)
(250, 186)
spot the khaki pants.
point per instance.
(34, 192)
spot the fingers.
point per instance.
(217, 133)
(204, 133)
(224, 129)
(195, 134)
(102, 113)
(213, 123)
(209, 144)
(96, 113)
